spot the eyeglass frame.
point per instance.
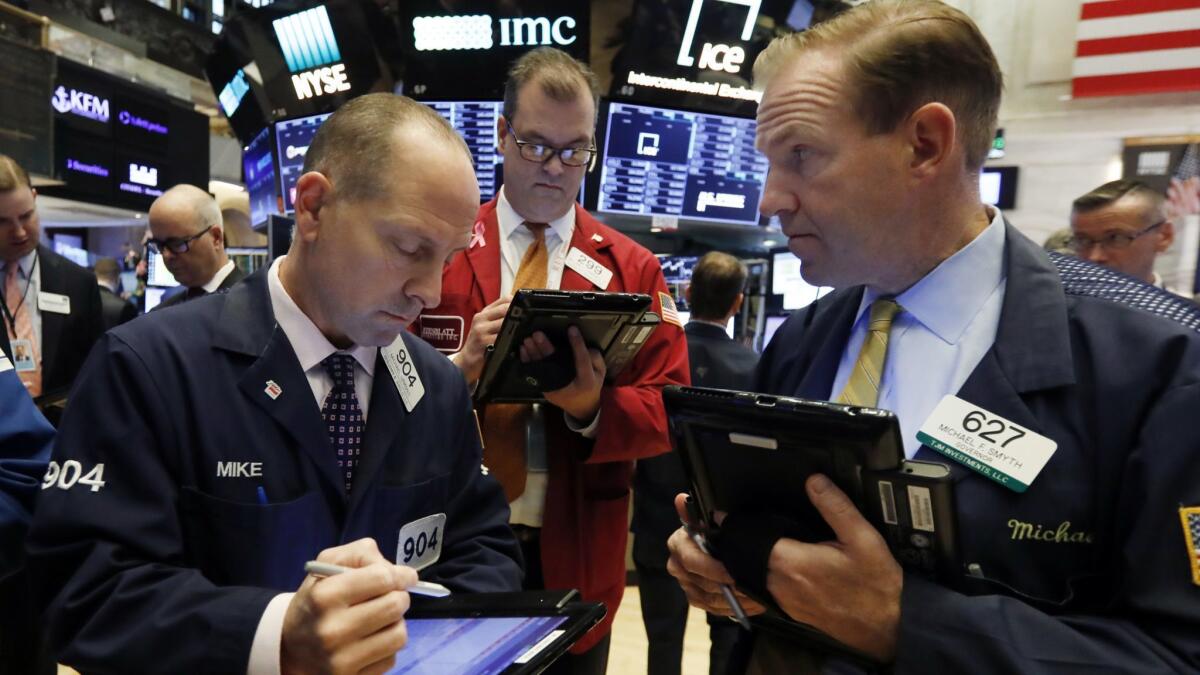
(171, 243)
(1109, 240)
(555, 152)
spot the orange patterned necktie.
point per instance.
(504, 423)
(21, 327)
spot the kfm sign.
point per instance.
(715, 55)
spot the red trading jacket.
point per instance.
(587, 492)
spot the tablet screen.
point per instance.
(474, 645)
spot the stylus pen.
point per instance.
(739, 614)
(428, 588)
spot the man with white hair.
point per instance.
(186, 227)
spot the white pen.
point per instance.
(427, 588)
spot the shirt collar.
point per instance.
(509, 220)
(309, 343)
(25, 263)
(947, 299)
(219, 278)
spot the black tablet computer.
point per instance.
(616, 324)
(744, 451)
(493, 633)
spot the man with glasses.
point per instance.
(185, 227)
(565, 465)
(50, 307)
(1122, 225)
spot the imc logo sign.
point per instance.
(715, 55)
(476, 31)
(311, 52)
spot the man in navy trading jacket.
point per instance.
(218, 446)
(876, 124)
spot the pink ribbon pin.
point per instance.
(477, 236)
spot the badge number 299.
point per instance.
(70, 473)
(420, 542)
(987, 443)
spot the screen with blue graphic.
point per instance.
(292, 140)
(307, 39)
(475, 121)
(473, 646)
(698, 166)
(258, 171)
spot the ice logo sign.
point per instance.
(75, 102)
(717, 56)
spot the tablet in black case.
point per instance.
(616, 324)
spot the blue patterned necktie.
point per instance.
(342, 415)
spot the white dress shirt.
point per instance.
(311, 347)
(219, 278)
(948, 322)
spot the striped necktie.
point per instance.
(18, 303)
(862, 388)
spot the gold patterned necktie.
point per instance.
(863, 386)
(504, 423)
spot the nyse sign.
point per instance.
(321, 81)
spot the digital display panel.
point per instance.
(141, 176)
(292, 140)
(233, 92)
(475, 121)
(699, 166)
(140, 123)
(998, 186)
(677, 269)
(787, 281)
(157, 273)
(474, 645)
(258, 171)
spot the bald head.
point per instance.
(185, 213)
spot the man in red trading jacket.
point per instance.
(566, 464)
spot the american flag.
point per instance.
(1137, 47)
(669, 313)
(1191, 534)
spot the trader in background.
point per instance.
(117, 310)
(566, 466)
(185, 226)
(875, 125)
(220, 445)
(1122, 225)
(49, 305)
(715, 295)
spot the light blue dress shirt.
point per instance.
(947, 324)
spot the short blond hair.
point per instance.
(901, 55)
(12, 176)
(561, 77)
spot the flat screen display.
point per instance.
(698, 166)
(772, 324)
(475, 121)
(787, 281)
(293, 138)
(154, 296)
(474, 645)
(998, 186)
(157, 272)
(258, 170)
(677, 269)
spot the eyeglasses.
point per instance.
(1114, 241)
(541, 153)
(175, 244)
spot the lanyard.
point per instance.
(11, 315)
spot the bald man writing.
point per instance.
(185, 227)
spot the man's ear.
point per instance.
(1166, 235)
(501, 132)
(931, 134)
(313, 195)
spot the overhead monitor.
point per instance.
(677, 269)
(787, 281)
(698, 166)
(772, 324)
(258, 172)
(292, 140)
(475, 121)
